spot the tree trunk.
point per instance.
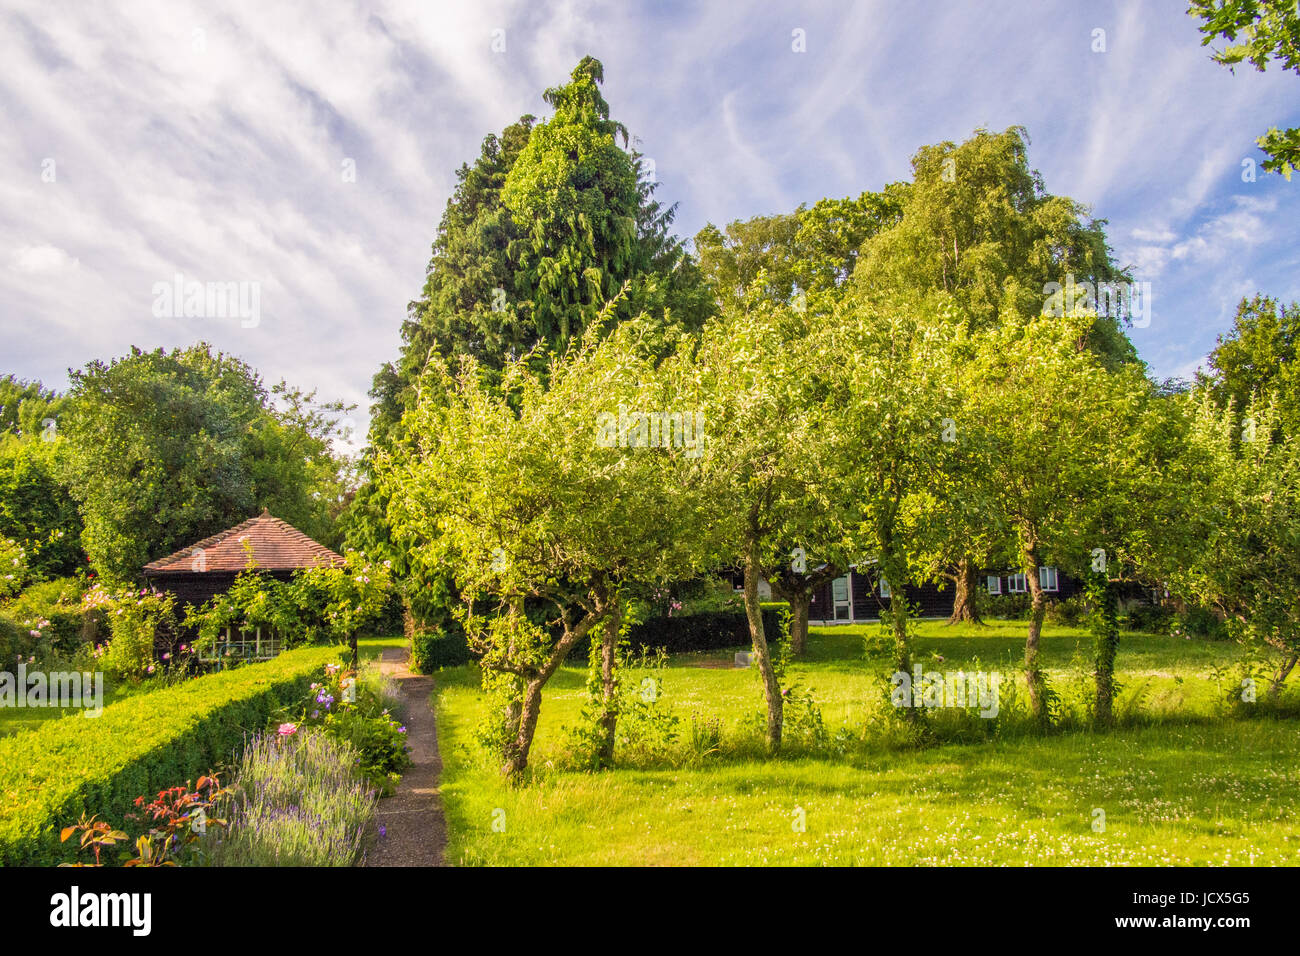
(903, 645)
(609, 686)
(796, 589)
(1034, 676)
(530, 708)
(966, 581)
(1106, 629)
(799, 602)
(754, 612)
(1279, 679)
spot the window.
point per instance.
(240, 644)
(995, 584)
(1016, 584)
(843, 610)
(1047, 579)
(884, 587)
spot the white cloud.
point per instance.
(221, 160)
(42, 260)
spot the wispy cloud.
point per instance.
(311, 149)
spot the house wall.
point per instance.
(931, 600)
(198, 588)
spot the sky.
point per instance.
(306, 152)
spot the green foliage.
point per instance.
(1238, 533)
(14, 569)
(27, 407)
(1269, 30)
(135, 619)
(811, 251)
(139, 745)
(1258, 359)
(36, 506)
(165, 448)
(433, 649)
(979, 227)
(355, 709)
(53, 610)
(525, 501)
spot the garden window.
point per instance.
(884, 587)
(994, 584)
(1047, 579)
(1017, 584)
(237, 644)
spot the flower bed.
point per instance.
(99, 765)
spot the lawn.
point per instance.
(1179, 783)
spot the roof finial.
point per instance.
(266, 513)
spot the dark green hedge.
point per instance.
(99, 765)
(433, 649)
(706, 631)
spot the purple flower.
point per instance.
(383, 830)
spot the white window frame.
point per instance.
(1013, 580)
(883, 587)
(1046, 572)
(993, 584)
(845, 603)
(241, 644)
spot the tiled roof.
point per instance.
(277, 546)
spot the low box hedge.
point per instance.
(99, 765)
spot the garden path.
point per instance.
(414, 829)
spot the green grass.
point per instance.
(1180, 782)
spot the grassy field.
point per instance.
(1180, 782)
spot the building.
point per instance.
(861, 594)
(195, 574)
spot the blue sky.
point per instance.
(150, 139)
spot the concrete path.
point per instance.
(415, 832)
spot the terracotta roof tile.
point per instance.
(277, 546)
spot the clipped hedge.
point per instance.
(50, 775)
(433, 649)
(705, 631)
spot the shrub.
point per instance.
(1197, 621)
(13, 567)
(134, 622)
(1148, 617)
(1008, 606)
(362, 719)
(64, 768)
(433, 648)
(296, 802)
(711, 631)
(54, 609)
(1069, 611)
